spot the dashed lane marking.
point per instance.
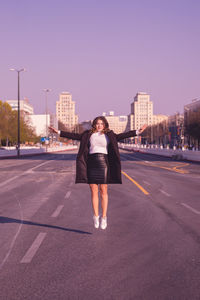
(147, 183)
(34, 248)
(57, 211)
(136, 183)
(165, 193)
(26, 172)
(31, 169)
(191, 208)
(68, 194)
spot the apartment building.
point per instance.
(141, 111)
(65, 110)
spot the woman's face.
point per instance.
(100, 125)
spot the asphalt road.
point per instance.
(49, 249)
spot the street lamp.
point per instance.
(46, 91)
(18, 135)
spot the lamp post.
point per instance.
(46, 91)
(18, 97)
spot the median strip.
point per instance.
(135, 182)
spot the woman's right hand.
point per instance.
(53, 130)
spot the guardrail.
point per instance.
(12, 152)
(185, 154)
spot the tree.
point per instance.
(192, 127)
(9, 125)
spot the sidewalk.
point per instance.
(177, 154)
(27, 151)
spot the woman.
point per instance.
(98, 162)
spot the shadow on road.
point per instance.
(4, 220)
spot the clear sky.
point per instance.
(101, 51)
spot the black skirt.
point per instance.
(97, 168)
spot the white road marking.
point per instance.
(68, 194)
(14, 238)
(34, 248)
(146, 182)
(191, 208)
(9, 180)
(165, 193)
(26, 172)
(57, 211)
(31, 169)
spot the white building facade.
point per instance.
(141, 111)
(25, 107)
(40, 123)
(159, 118)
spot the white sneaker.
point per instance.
(96, 221)
(103, 222)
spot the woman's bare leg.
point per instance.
(95, 198)
(104, 199)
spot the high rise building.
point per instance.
(65, 110)
(141, 111)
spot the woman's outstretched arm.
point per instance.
(125, 135)
(70, 135)
(130, 133)
(66, 134)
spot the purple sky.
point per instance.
(103, 52)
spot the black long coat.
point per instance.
(114, 164)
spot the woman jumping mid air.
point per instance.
(98, 161)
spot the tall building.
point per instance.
(65, 110)
(25, 107)
(141, 111)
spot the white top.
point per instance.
(98, 143)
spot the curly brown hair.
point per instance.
(105, 122)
